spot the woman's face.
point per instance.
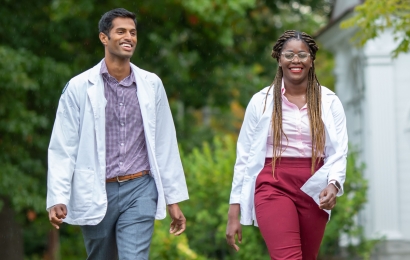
(296, 61)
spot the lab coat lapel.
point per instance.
(95, 93)
(266, 116)
(326, 102)
(146, 99)
(267, 113)
(258, 149)
(327, 116)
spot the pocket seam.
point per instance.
(83, 202)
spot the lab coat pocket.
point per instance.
(82, 189)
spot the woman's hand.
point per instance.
(327, 197)
(234, 226)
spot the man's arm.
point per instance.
(169, 161)
(56, 215)
(62, 153)
(178, 223)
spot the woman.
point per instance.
(291, 156)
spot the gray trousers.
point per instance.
(126, 230)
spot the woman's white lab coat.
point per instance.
(251, 151)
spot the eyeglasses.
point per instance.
(302, 56)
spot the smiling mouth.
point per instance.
(296, 69)
(126, 45)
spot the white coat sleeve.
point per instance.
(166, 150)
(338, 169)
(242, 150)
(62, 150)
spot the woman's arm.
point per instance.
(338, 169)
(337, 173)
(242, 150)
(243, 146)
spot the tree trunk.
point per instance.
(53, 248)
(11, 238)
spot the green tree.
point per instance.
(30, 89)
(209, 53)
(373, 17)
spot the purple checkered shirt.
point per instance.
(126, 149)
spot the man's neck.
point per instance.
(119, 69)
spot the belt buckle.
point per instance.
(118, 180)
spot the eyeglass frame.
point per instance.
(296, 54)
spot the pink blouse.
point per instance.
(296, 127)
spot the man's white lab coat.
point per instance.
(76, 154)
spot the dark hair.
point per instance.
(313, 95)
(105, 23)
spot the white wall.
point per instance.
(375, 92)
(381, 144)
(401, 71)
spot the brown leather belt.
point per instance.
(127, 177)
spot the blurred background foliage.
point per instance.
(374, 17)
(212, 56)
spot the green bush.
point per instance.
(209, 172)
(166, 246)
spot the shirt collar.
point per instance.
(284, 98)
(126, 82)
(283, 89)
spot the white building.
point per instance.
(375, 91)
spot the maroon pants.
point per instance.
(290, 221)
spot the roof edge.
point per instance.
(333, 22)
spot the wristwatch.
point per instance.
(336, 184)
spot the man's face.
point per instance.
(122, 39)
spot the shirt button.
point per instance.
(122, 144)
(121, 104)
(122, 124)
(120, 163)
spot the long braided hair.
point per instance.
(313, 94)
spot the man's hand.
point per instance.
(327, 197)
(178, 223)
(56, 215)
(233, 227)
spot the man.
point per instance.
(113, 160)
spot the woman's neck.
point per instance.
(295, 89)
